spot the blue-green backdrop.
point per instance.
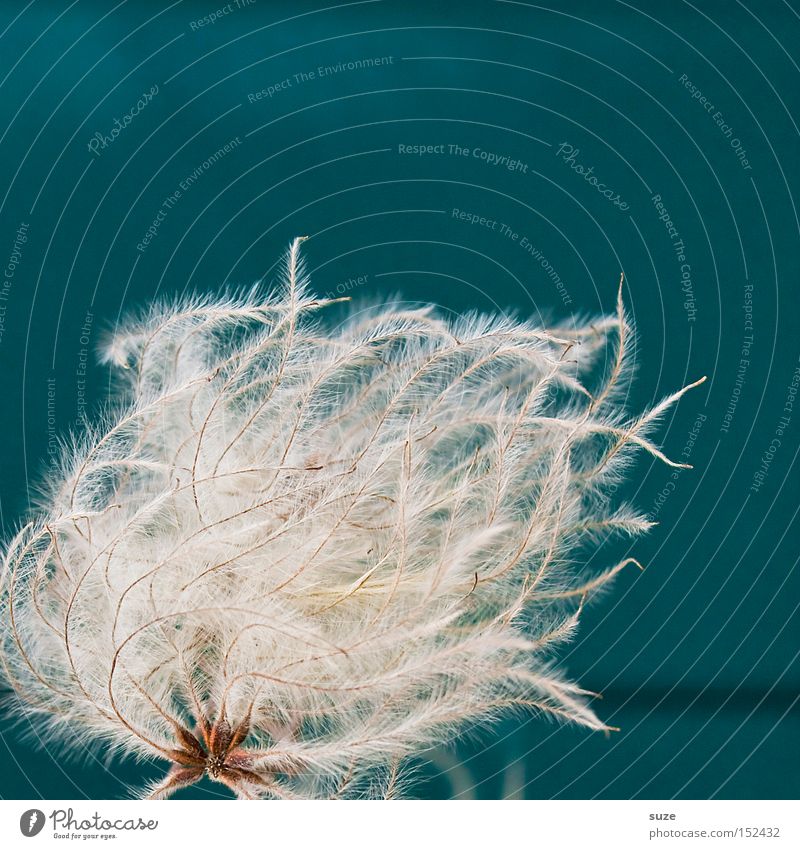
(685, 114)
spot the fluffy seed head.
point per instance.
(299, 553)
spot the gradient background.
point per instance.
(696, 656)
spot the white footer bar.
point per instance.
(409, 824)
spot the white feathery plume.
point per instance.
(296, 555)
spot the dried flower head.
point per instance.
(297, 555)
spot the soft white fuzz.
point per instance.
(296, 555)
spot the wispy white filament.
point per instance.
(298, 555)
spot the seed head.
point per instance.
(297, 554)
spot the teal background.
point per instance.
(697, 657)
